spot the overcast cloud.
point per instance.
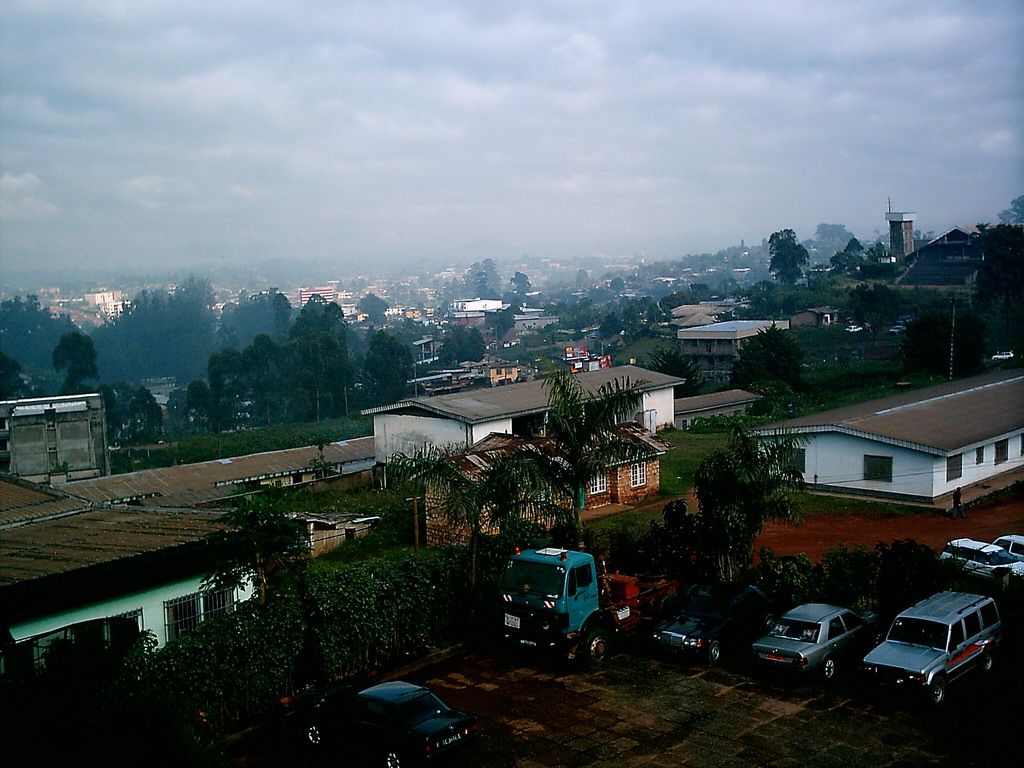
(163, 133)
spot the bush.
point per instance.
(847, 577)
(790, 578)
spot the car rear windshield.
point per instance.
(419, 708)
(538, 578)
(795, 630)
(919, 632)
(1002, 557)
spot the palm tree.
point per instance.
(580, 425)
(477, 496)
(739, 488)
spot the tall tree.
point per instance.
(1015, 213)
(788, 256)
(11, 385)
(521, 283)
(738, 489)
(459, 343)
(76, 355)
(927, 342)
(260, 540)
(1000, 278)
(771, 355)
(374, 307)
(672, 362)
(29, 332)
(145, 422)
(580, 425)
(387, 369)
(267, 313)
(508, 487)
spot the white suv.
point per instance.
(1012, 543)
(981, 558)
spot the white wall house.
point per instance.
(916, 445)
(464, 418)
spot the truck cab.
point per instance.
(549, 595)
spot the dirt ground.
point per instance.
(986, 520)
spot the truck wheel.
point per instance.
(937, 692)
(595, 647)
(987, 660)
(714, 652)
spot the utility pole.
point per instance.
(415, 523)
(952, 330)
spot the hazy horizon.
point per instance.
(159, 136)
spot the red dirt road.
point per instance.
(985, 522)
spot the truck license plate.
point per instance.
(511, 621)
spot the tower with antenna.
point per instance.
(901, 233)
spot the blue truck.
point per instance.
(555, 600)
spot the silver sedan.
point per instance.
(815, 637)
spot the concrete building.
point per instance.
(714, 347)
(901, 234)
(918, 445)
(463, 418)
(815, 317)
(54, 439)
(732, 402)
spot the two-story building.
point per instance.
(713, 348)
(54, 439)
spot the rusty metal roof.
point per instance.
(940, 419)
(479, 405)
(714, 400)
(54, 546)
(21, 501)
(206, 482)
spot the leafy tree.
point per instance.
(320, 316)
(508, 488)
(672, 362)
(787, 256)
(770, 355)
(224, 373)
(521, 283)
(925, 344)
(874, 304)
(145, 422)
(263, 313)
(459, 343)
(200, 407)
(261, 539)
(854, 246)
(387, 369)
(738, 489)
(829, 238)
(11, 384)
(1015, 213)
(579, 424)
(483, 281)
(317, 375)
(374, 307)
(29, 332)
(264, 370)
(76, 355)
(1000, 278)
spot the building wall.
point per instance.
(38, 435)
(664, 403)
(395, 433)
(684, 419)
(837, 460)
(149, 602)
(621, 490)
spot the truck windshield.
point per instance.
(537, 578)
(919, 632)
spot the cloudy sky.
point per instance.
(164, 133)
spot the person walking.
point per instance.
(958, 506)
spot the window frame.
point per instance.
(954, 467)
(638, 474)
(598, 484)
(878, 474)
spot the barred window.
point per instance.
(1002, 451)
(954, 467)
(798, 460)
(598, 483)
(638, 474)
(979, 455)
(183, 614)
(878, 468)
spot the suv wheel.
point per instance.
(987, 660)
(314, 736)
(937, 692)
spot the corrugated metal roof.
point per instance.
(193, 484)
(520, 399)
(714, 400)
(54, 546)
(21, 501)
(941, 419)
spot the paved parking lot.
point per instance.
(643, 711)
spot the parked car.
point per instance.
(935, 642)
(854, 328)
(715, 617)
(816, 637)
(1012, 543)
(1003, 356)
(391, 724)
(981, 558)
(898, 329)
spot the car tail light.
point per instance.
(801, 662)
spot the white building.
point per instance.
(464, 418)
(915, 445)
